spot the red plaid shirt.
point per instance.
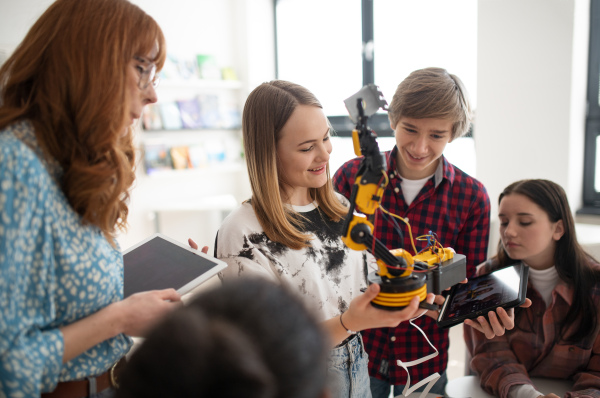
(534, 347)
(457, 208)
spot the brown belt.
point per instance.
(81, 388)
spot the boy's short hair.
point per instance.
(432, 93)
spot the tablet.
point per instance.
(160, 262)
(505, 287)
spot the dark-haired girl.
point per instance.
(558, 336)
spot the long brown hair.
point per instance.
(267, 109)
(573, 264)
(68, 78)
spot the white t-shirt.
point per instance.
(327, 274)
(411, 188)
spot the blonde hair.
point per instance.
(267, 109)
(68, 76)
(433, 93)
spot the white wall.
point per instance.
(532, 76)
(16, 17)
(532, 66)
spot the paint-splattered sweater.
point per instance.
(327, 274)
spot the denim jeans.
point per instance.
(381, 388)
(348, 370)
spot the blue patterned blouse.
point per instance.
(53, 272)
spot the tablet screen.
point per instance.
(160, 263)
(479, 295)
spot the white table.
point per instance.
(468, 386)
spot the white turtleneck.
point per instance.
(544, 281)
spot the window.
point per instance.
(334, 47)
(319, 45)
(591, 171)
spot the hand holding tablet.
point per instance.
(160, 262)
(505, 288)
(497, 322)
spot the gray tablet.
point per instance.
(159, 262)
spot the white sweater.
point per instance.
(327, 274)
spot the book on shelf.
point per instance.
(188, 68)
(170, 115)
(198, 156)
(178, 68)
(169, 70)
(151, 119)
(215, 150)
(199, 66)
(156, 158)
(229, 115)
(181, 158)
(209, 111)
(190, 112)
(207, 67)
(228, 73)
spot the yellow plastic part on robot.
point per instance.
(435, 255)
(347, 239)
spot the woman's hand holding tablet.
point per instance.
(160, 262)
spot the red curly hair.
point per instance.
(68, 77)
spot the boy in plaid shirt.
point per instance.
(429, 109)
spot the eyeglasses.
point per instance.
(147, 75)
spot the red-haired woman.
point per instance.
(68, 97)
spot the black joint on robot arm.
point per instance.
(361, 233)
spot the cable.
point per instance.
(404, 221)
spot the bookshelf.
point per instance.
(194, 125)
(191, 172)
